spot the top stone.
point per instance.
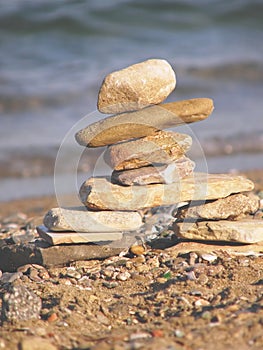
(135, 87)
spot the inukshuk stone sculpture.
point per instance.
(151, 169)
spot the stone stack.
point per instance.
(150, 166)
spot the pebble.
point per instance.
(193, 257)
(191, 276)
(178, 333)
(23, 237)
(209, 257)
(157, 333)
(52, 317)
(110, 285)
(202, 279)
(33, 275)
(9, 277)
(123, 276)
(201, 302)
(206, 315)
(137, 249)
(71, 272)
(140, 335)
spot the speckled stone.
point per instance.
(20, 304)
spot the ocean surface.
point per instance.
(54, 55)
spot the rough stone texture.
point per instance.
(233, 207)
(136, 87)
(145, 122)
(20, 304)
(245, 231)
(70, 237)
(159, 174)
(13, 256)
(79, 219)
(99, 193)
(163, 147)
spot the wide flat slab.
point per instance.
(70, 237)
(101, 194)
(126, 126)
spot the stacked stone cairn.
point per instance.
(150, 169)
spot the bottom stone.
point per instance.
(55, 238)
(245, 231)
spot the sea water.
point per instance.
(55, 54)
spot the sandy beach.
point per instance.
(153, 304)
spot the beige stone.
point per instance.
(145, 122)
(100, 194)
(244, 231)
(155, 174)
(163, 147)
(79, 219)
(137, 86)
(232, 207)
(218, 247)
(70, 237)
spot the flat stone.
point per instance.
(137, 86)
(232, 207)
(79, 219)
(40, 252)
(163, 147)
(155, 174)
(70, 237)
(100, 194)
(244, 231)
(126, 126)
